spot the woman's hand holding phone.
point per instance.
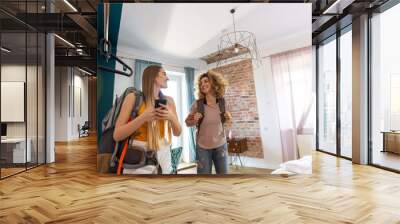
(149, 114)
(164, 112)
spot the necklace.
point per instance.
(212, 105)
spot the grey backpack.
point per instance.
(107, 147)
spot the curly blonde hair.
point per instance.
(218, 83)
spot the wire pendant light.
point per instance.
(237, 46)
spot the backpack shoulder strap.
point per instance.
(200, 109)
(138, 103)
(120, 100)
(200, 105)
(114, 112)
(135, 110)
(221, 104)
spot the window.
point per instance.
(346, 94)
(22, 65)
(394, 102)
(385, 87)
(327, 96)
(177, 90)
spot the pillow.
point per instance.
(300, 166)
(175, 158)
(281, 171)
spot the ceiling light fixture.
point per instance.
(65, 41)
(70, 5)
(237, 45)
(5, 50)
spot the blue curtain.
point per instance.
(189, 73)
(140, 65)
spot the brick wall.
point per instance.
(241, 99)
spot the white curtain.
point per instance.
(293, 83)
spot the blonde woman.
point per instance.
(152, 128)
(209, 115)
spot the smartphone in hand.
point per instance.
(160, 101)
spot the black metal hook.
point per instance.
(105, 50)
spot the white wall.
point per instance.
(268, 114)
(67, 81)
(286, 43)
(122, 82)
(80, 82)
(129, 54)
(14, 73)
(158, 57)
(17, 73)
(34, 124)
(61, 103)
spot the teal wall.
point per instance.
(105, 80)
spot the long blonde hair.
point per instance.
(154, 128)
(218, 83)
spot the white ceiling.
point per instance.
(192, 30)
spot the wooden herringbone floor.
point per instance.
(70, 191)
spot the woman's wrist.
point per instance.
(141, 118)
(173, 119)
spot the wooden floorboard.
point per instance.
(387, 159)
(71, 191)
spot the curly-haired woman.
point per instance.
(207, 114)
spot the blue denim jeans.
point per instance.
(206, 157)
